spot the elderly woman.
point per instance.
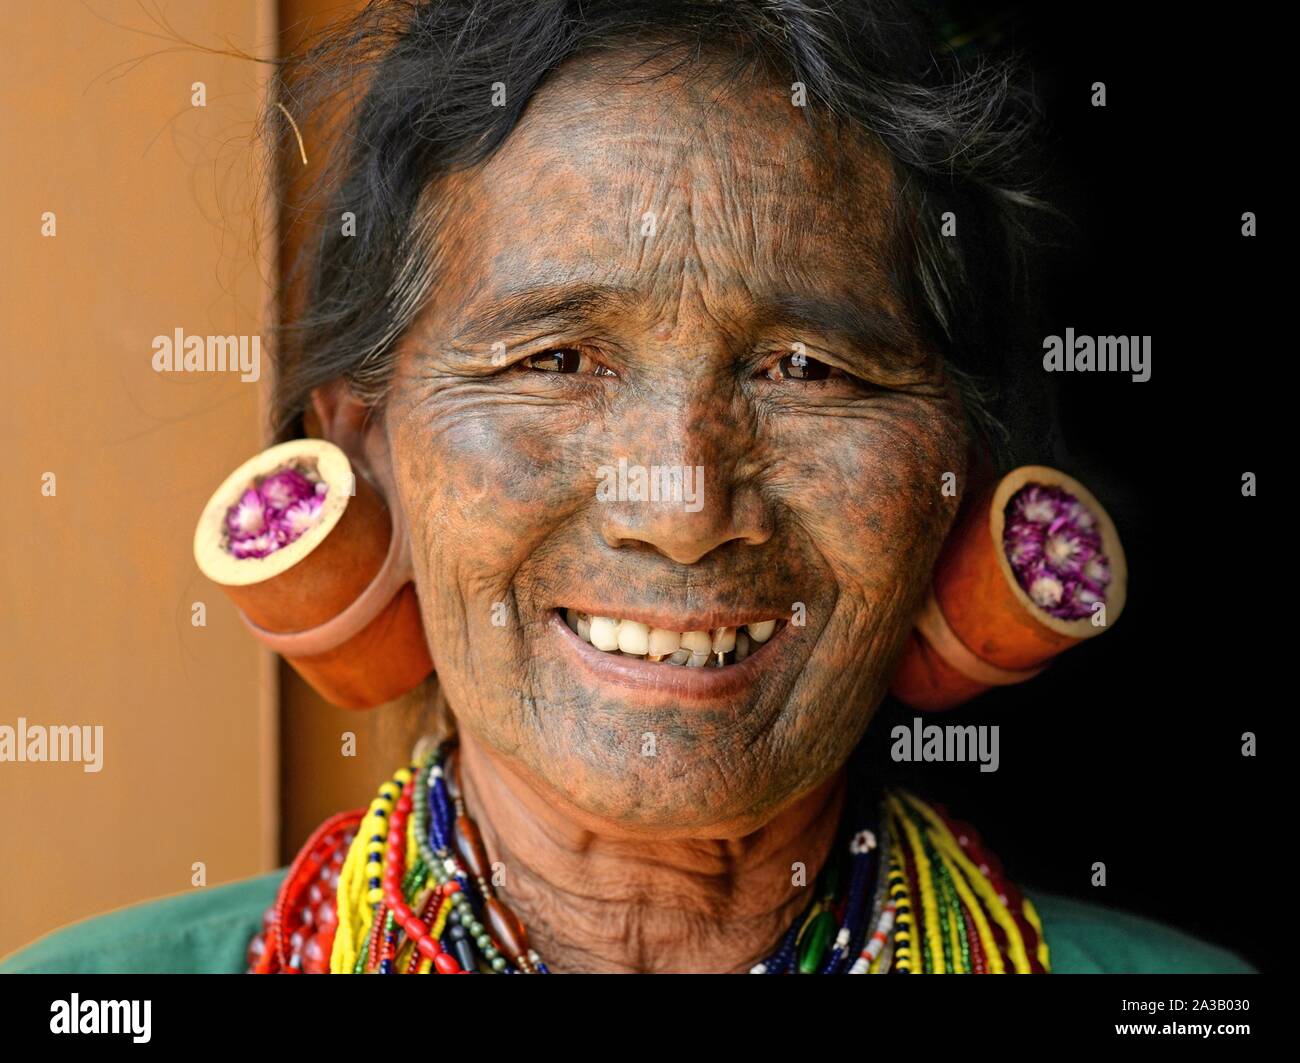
(767, 247)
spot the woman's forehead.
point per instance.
(645, 186)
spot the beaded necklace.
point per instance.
(906, 889)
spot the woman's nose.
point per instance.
(685, 535)
(689, 499)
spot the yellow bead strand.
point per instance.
(1044, 954)
(355, 899)
(901, 896)
(924, 885)
(1001, 915)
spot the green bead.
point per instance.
(483, 941)
(499, 963)
(475, 927)
(816, 939)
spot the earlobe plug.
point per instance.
(1033, 566)
(319, 568)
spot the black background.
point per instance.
(1128, 751)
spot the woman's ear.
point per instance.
(356, 427)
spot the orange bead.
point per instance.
(469, 845)
(507, 929)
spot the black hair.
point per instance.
(409, 84)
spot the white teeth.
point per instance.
(663, 641)
(694, 649)
(604, 633)
(724, 640)
(697, 641)
(633, 637)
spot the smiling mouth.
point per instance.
(719, 647)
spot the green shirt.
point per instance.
(207, 931)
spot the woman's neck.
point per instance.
(605, 901)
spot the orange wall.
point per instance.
(157, 211)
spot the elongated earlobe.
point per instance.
(1032, 567)
(319, 567)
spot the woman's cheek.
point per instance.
(871, 496)
(487, 485)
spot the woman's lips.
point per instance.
(666, 682)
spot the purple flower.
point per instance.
(257, 546)
(1067, 551)
(285, 488)
(247, 516)
(275, 513)
(1082, 599)
(1024, 545)
(1034, 505)
(1080, 514)
(299, 517)
(1052, 542)
(1045, 588)
(1096, 570)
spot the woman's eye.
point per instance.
(565, 360)
(800, 366)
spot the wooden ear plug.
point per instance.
(1032, 567)
(319, 568)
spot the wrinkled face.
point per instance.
(668, 379)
